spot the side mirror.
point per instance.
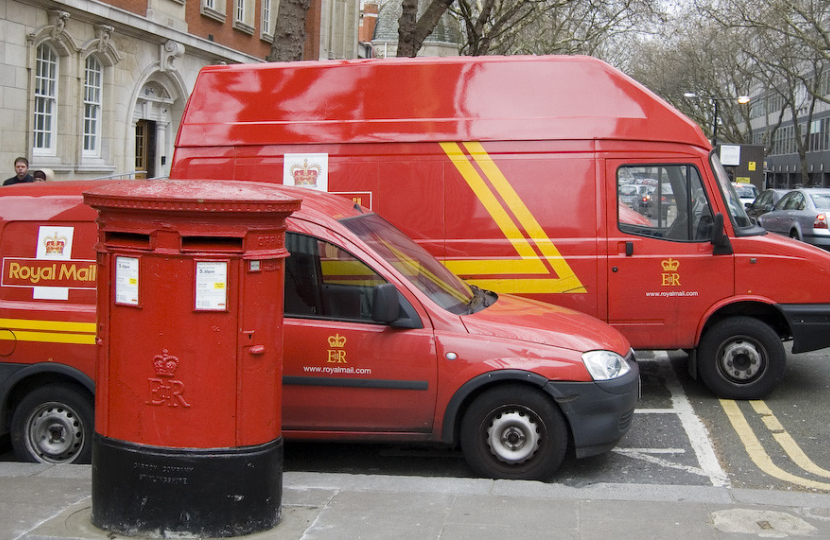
(385, 306)
(719, 239)
(388, 307)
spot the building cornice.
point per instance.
(142, 28)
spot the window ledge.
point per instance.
(213, 14)
(242, 27)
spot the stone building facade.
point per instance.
(94, 89)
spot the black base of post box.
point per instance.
(154, 492)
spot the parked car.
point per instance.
(801, 214)
(630, 192)
(763, 203)
(747, 193)
(655, 199)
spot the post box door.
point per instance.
(343, 371)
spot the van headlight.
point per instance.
(605, 365)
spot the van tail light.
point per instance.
(820, 222)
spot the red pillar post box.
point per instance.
(188, 401)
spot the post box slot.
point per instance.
(125, 239)
(212, 243)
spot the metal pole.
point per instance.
(715, 127)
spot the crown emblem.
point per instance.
(54, 244)
(337, 341)
(670, 265)
(305, 175)
(165, 364)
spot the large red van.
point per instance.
(555, 178)
(382, 343)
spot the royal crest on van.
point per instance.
(306, 170)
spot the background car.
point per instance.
(763, 203)
(653, 198)
(801, 214)
(630, 192)
(746, 192)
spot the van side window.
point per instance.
(326, 282)
(663, 201)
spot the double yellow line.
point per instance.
(760, 456)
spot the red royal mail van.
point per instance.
(382, 343)
(555, 178)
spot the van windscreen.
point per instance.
(413, 262)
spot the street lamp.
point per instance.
(742, 100)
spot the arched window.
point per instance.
(45, 117)
(93, 86)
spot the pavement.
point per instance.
(52, 502)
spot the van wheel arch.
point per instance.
(766, 313)
(472, 389)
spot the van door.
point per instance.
(342, 370)
(662, 273)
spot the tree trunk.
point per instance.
(289, 34)
(412, 31)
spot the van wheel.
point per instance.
(53, 424)
(514, 432)
(741, 358)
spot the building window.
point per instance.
(93, 85)
(266, 26)
(46, 82)
(215, 9)
(244, 16)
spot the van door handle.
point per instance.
(629, 249)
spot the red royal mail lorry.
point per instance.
(382, 343)
(555, 178)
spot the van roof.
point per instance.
(64, 201)
(427, 100)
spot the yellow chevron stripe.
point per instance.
(494, 208)
(528, 261)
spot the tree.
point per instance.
(488, 23)
(790, 44)
(412, 31)
(696, 56)
(593, 27)
(527, 26)
(289, 34)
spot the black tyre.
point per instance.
(794, 235)
(741, 358)
(54, 424)
(515, 432)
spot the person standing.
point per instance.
(21, 167)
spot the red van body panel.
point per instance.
(346, 376)
(510, 171)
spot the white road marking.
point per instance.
(697, 433)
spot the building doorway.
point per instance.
(145, 149)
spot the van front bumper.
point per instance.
(599, 413)
(809, 324)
